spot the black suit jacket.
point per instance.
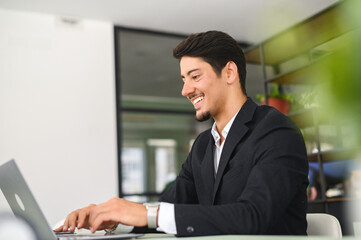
(260, 186)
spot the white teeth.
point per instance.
(198, 99)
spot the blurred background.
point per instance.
(90, 103)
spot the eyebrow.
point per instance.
(190, 71)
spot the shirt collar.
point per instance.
(225, 131)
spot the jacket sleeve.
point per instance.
(276, 183)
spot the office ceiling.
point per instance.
(248, 21)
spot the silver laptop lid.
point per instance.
(21, 200)
(23, 204)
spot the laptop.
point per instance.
(23, 204)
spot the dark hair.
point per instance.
(216, 48)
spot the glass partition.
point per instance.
(156, 124)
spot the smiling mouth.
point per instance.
(196, 102)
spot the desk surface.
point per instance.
(156, 236)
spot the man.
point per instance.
(245, 175)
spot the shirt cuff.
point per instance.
(166, 218)
(123, 229)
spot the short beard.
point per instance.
(204, 117)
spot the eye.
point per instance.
(195, 77)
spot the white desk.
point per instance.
(156, 236)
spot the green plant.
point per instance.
(276, 93)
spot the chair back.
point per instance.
(321, 224)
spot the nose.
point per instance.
(187, 89)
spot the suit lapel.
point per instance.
(235, 135)
(207, 170)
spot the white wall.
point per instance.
(57, 109)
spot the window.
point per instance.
(156, 124)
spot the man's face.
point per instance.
(202, 87)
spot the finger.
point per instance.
(72, 228)
(82, 219)
(83, 215)
(96, 215)
(59, 229)
(72, 221)
(66, 226)
(93, 215)
(99, 221)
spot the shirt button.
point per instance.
(190, 229)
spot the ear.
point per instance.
(231, 72)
